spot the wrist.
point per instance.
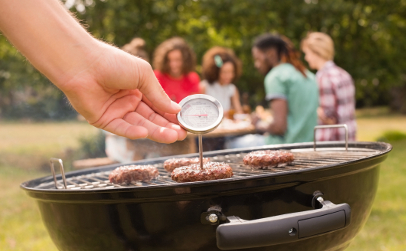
(79, 58)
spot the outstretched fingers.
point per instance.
(155, 132)
(144, 110)
(169, 116)
(150, 87)
(122, 128)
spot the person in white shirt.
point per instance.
(221, 68)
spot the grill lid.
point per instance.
(329, 155)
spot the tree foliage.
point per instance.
(25, 92)
(369, 35)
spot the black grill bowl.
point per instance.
(167, 216)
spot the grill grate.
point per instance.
(304, 158)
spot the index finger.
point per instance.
(149, 86)
(169, 116)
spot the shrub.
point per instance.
(92, 147)
(391, 136)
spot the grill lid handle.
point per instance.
(51, 162)
(285, 228)
(331, 126)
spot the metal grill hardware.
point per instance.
(304, 159)
(330, 126)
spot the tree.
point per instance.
(369, 37)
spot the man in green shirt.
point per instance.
(290, 88)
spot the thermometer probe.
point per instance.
(200, 114)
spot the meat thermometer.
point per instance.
(200, 114)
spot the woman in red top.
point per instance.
(174, 63)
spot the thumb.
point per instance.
(150, 87)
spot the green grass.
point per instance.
(25, 149)
(373, 123)
(20, 222)
(24, 152)
(30, 145)
(42, 138)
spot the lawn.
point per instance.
(24, 149)
(373, 122)
(20, 222)
(30, 145)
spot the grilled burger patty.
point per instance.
(211, 171)
(171, 164)
(127, 174)
(268, 158)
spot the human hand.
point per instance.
(107, 86)
(119, 93)
(255, 119)
(260, 125)
(323, 117)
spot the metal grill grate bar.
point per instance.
(303, 160)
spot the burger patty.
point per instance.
(127, 174)
(210, 171)
(171, 164)
(268, 158)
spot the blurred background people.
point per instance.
(137, 48)
(336, 88)
(174, 63)
(290, 88)
(220, 68)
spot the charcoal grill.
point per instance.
(319, 202)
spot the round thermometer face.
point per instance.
(200, 113)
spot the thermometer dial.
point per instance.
(200, 113)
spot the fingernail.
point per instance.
(175, 106)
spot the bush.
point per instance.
(92, 147)
(391, 136)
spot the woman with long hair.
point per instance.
(290, 88)
(174, 63)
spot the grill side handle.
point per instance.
(240, 234)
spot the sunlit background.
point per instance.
(36, 121)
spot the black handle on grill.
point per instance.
(239, 234)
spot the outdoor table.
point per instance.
(142, 147)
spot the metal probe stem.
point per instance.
(200, 151)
